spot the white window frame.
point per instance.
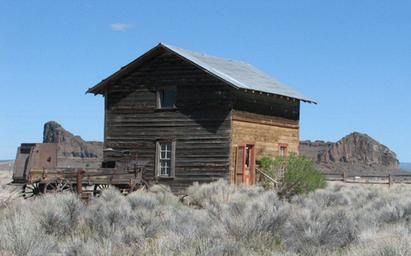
(162, 160)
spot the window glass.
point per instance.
(165, 159)
(167, 97)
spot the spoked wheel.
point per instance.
(59, 185)
(32, 190)
(138, 187)
(98, 188)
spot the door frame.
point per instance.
(252, 162)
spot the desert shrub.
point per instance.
(75, 246)
(394, 209)
(172, 244)
(89, 247)
(323, 198)
(146, 210)
(393, 246)
(143, 200)
(264, 214)
(211, 193)
(246, 214)
(220, 192)
(7, 198)
(226, 247)
(295, 174)
(361, 195)
(326, 228)
(108, 213)
(163, 194)
(21, 234)
(222, 220)
(187, 222)
(59, 214)
(373, 208)
(393, 249)
(133, 236)
(158, 210)
(327, 198)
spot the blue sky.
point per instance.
(353, 57)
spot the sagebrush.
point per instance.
(214, 219)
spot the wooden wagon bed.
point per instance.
(85, 181)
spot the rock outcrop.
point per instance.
(355, 153)
(72, 150)
(360, 148)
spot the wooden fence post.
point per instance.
(390, 181)
(344, 176)
(79, 180)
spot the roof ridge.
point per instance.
(203, 54)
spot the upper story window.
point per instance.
(166, 97)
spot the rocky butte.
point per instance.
(72, 150)
(356, 153)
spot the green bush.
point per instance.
(295, 175)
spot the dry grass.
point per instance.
(215, 219)
(7, 193)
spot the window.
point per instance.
(166, 97)
(165, 154)
(108, 164)
(283, 149)
(165, 159)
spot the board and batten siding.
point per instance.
(200, 124)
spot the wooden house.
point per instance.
(193, 117)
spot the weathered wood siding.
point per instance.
(200, 125)
(265, 121)
(267, 105)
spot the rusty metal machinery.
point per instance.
(37, 169)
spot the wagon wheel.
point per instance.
(59, 185)
(98, 188)
(142, 186)
(85, 187)
(32, 190)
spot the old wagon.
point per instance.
(37, 170)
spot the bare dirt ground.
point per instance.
(7, 192)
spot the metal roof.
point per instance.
(236, 73)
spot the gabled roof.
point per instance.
(237, 74)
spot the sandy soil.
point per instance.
(7, 192)
(6, 165)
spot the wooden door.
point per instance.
(239, 165)
(249, 165)
(245, 165)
